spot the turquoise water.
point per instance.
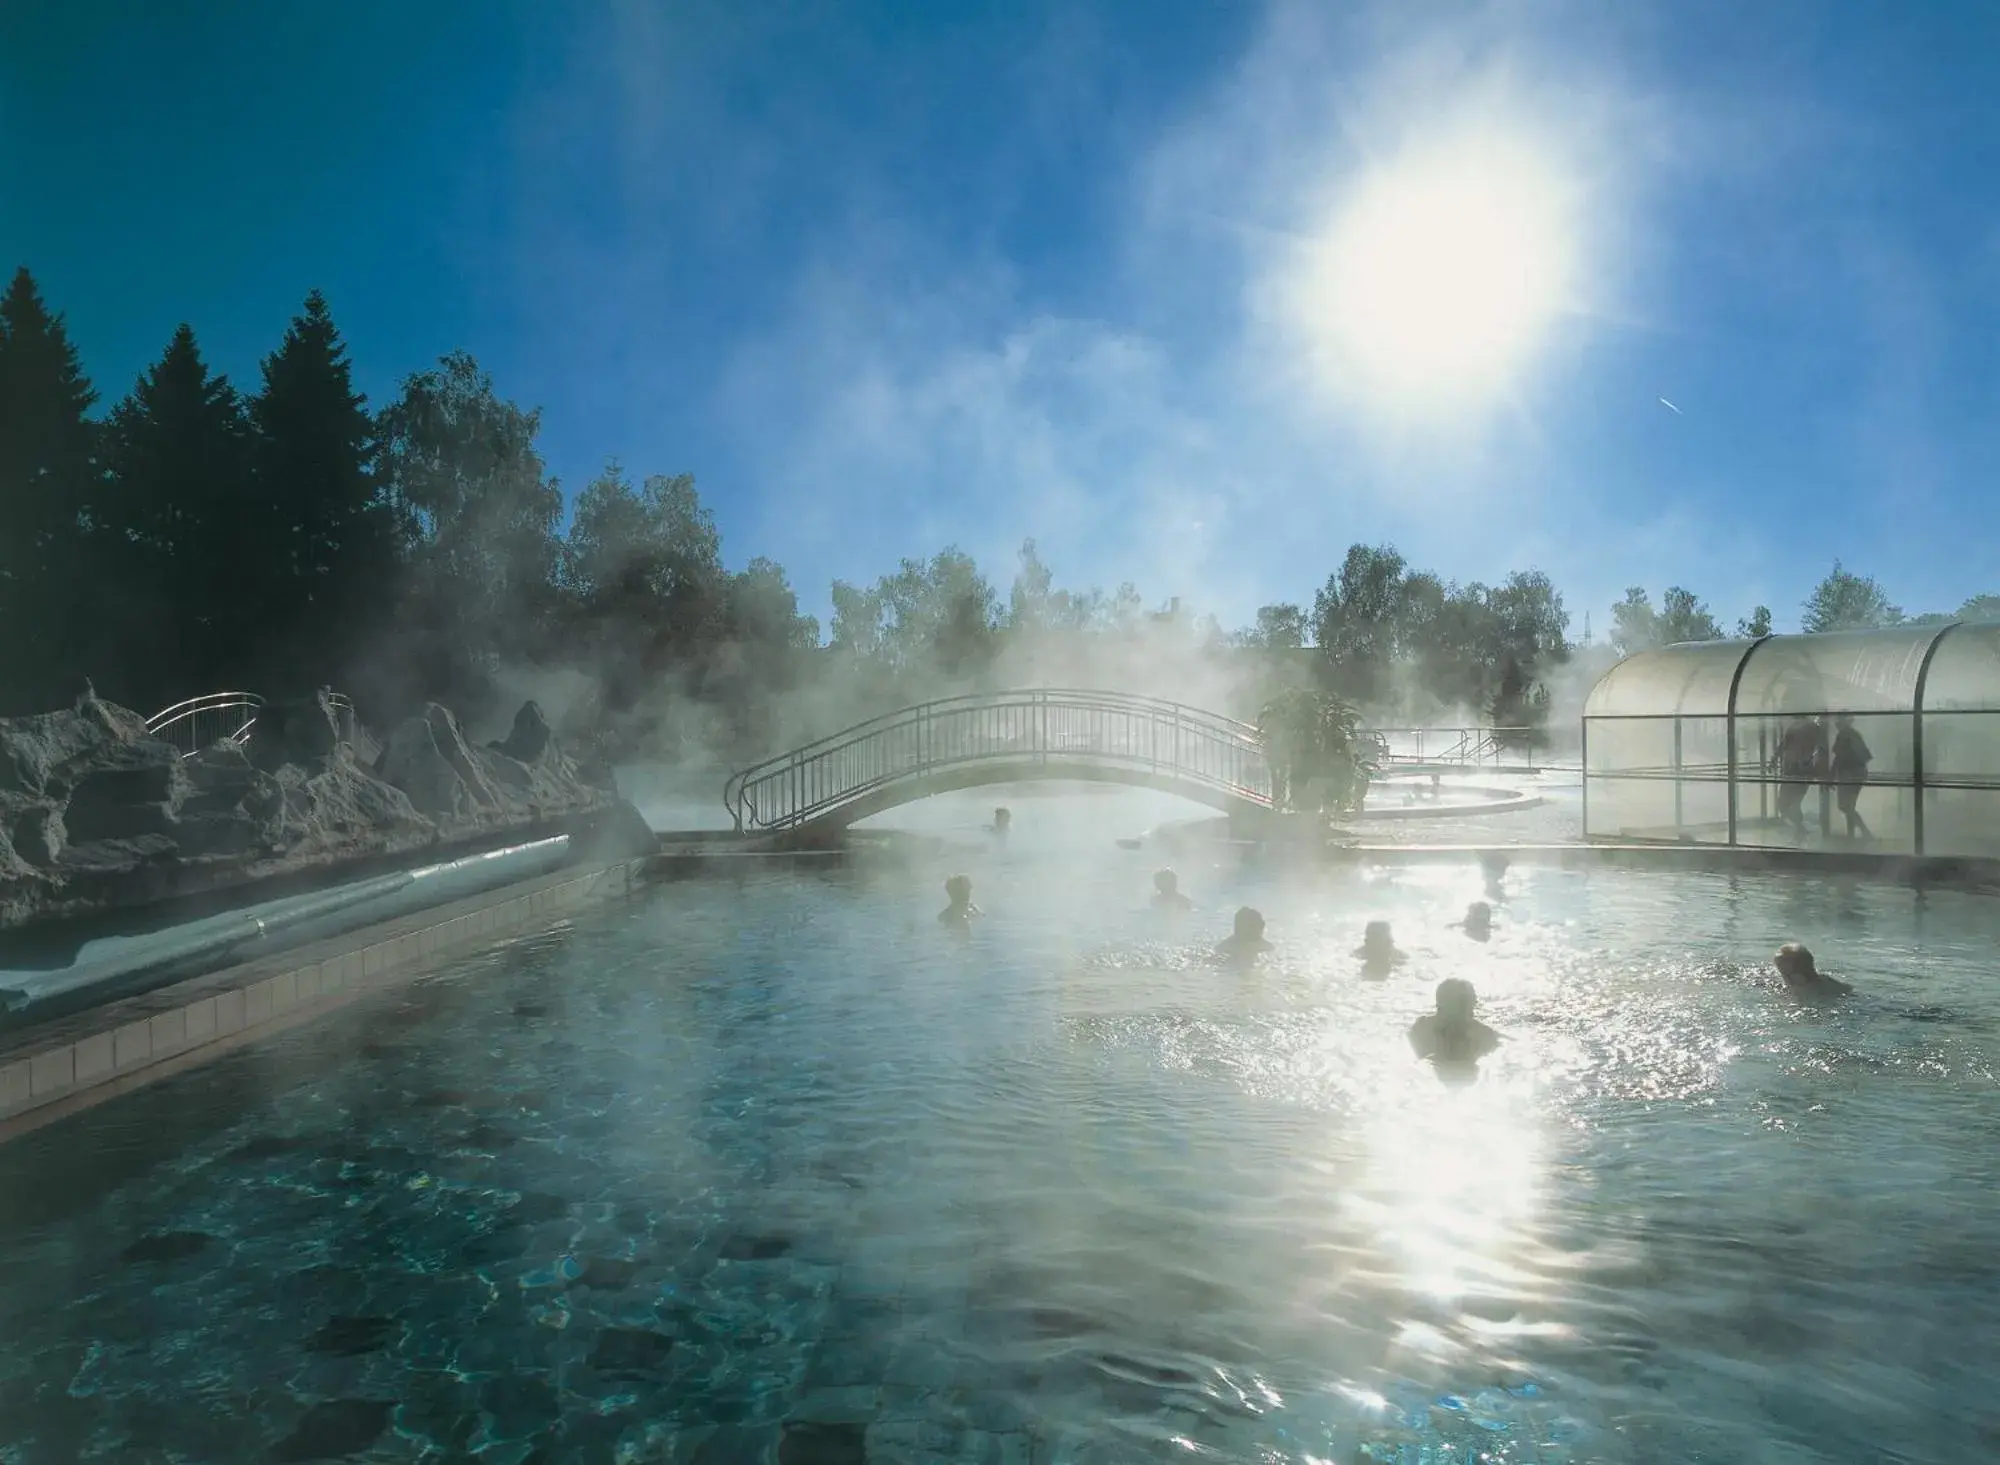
(776, 1169)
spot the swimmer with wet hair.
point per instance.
(1245, 943)
(1378, 950)
(1478, 922)
(1167, 894)
(1802, 978)
(1494, 865)
(958, 890)
(1003, 820)
(1452, 1034)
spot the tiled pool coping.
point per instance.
(53, 1069)
(56, 1068)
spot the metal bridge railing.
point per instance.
(1108, 729)
(1468, 747)
(221, 717)
(202, 722)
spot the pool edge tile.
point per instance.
(16, 1086)
(95, 1055)
(201, 1021)
(169, 1032)
(257, 1003)
(132, 1046)
(231, 1015)
(52, 1070)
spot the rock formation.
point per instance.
(95, 814)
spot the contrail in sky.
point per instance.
(1672, 408)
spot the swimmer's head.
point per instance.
(1795, 963)
(1376, 937)
(1456, 999)
(1479, 913)
(958, 889)
(1249, 924)
(1002, 818)
(1165, 882)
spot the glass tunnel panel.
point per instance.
(1847, 671)
(1658, 778)
(1961, 733)
(1658, 738)
(1965, 673)
(1825, 721)
(1689, 679)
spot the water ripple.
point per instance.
(769, 1152)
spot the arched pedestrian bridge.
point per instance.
(1004, 737)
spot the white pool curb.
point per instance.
(55, 1068)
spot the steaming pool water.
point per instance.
(773, 1168)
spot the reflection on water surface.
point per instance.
(770, 1168)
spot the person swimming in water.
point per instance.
(1494, 865)
(1167, 894)
(1246, 942)
(1802, 978)
(1378, 951)
(958, 890)
(1003, 820)
(1478, 922)
(1452, 1034)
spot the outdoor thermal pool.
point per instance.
(775, 1168)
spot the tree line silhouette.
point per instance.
(199, 536)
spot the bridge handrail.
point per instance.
(1210, 725)
(246, 705)
(852, 792)
(249, 703)
(1072, 695)
(207, 702)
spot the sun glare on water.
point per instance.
(1440, 274)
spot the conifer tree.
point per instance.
(329, 579)
(182, 524)
(46, 490)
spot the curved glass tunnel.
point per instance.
(1732, 742)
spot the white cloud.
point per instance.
(1185, 444)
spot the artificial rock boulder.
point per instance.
(96, 814)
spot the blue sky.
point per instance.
(890, 276)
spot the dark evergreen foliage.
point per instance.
(194, 541)
(48, 488)
(326, 579)
(177, 525)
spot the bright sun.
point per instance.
(1440, 275)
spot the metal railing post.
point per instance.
(1918, 833)
(1583, 773)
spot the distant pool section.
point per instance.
(1441, 798)
(773, 1169)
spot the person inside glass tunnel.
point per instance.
(1798, 766)
(1849, 771)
